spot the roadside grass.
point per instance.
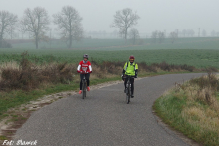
(24, 81)
(192, 108)
(15, 98)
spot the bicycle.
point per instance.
(128, 89)
(84, 86)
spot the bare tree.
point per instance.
(7, 21)
(69, 23)
(36, 22)
(173, 36)
(154, 36)
(11, 31)
(134, 34)
(190, 32)
(204, 33)
(125, 19)
(161, 36)
(184, 32)
(213, 33)
(21, 30)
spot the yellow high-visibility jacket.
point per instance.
(130, 69)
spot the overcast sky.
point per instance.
(154, 14)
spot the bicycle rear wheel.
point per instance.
(128, 93)
(83, 89)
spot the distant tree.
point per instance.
(69, 23)
(123, 20)
(11, 31)
(133, 35)
(7, 21)
(115, 33)
(161, 36)
(173, 36)
(213, 33)
(184, 32)
(204, 33)
(154, 36)
(192, 32)
(158, 35)
(36, 22)
(21, 29)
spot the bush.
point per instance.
(30, 76)
(211, 81)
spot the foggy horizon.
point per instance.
(160, 15)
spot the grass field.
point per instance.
(117, 44)
(194, 57)
(198, 52)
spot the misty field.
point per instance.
(198, 52)
(115, 44)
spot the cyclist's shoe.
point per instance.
(88, 88)
(132, 95)
(80, 92)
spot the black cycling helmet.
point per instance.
(85, 56)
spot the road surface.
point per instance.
(104, 119)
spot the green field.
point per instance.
(115, 44)
(198, 52)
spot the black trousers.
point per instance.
(132, 84)
(87, 76)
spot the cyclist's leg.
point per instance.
(132, 85)
(80, 91)
(88, 81)
(125, 82)
(81, 76)
(87, 76)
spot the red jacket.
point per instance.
(84, 67)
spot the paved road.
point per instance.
(104, 119)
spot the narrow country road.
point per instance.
(104, 119)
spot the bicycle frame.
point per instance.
(84, 84)
(128, 89)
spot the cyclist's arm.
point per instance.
(124, 68)
(136, 70)
(79, 68)
(90, 68)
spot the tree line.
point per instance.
(36, 22)
(68, 21)
(159, 36)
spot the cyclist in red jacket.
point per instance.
(84, 67)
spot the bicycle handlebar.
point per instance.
(82, 72)
(128, 76)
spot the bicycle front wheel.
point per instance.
(128, 94)
(83, 90)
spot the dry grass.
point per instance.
(207, 119)
(26, 75)
(193, 108)
(202, 108)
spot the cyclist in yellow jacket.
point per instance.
(131, 69)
